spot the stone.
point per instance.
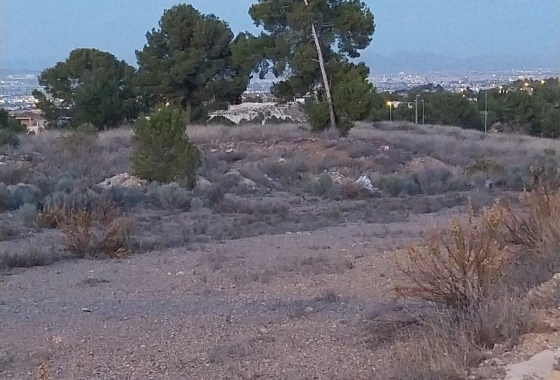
(233, 173)
(248, 183)
(309, 309)
(203, 184)
(365, 183)
(281, 160)
(122, 180)
(262, 113)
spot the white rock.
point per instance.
(248, 183)
(365, 183)
(122, 180)
(233, 173)
(262, 112)
(281, 160)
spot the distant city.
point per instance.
(16, 87)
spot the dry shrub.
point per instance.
(535, 230)
(539, 223)
(435, 352)
(91, 232)
(458, 267)
(449, 342)
(51, 215)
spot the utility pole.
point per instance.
(323, 72)
(486, 113)
(423, 110)
(390, 104)
(416, 110)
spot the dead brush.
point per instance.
(50, 215)
(539, 221)
(91, 232)
(458, 267)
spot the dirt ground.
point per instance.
(269, 307)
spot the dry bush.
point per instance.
(458, 267)
(51, 215)
(92, 232)
(447, 343)
(436, 352)
(538, 223)
(535, 230)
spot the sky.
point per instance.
(43, 32)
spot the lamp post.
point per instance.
(423, 110)
(390, 104)
(416, 110)
(486, 113)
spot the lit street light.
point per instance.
(390, 104)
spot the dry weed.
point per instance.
(43, 371)
(90, 232)
(459, 266)
(51, 215)
(538, 223)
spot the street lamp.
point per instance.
(390, 104)
(486, 113)
(416, 110)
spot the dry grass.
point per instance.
(480, 283)
(458, 267)
(91, 232)
(538, 224)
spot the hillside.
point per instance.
(279, 264)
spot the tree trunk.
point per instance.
(323, 72)
(188, 112)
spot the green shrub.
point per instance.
(392, 184)
(322, 185)
(13, 197)
(318, 115)
(163, 152)
(8, 137)
(9, 129)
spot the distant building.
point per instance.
(528, 90)
(32, 119)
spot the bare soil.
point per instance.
(274, 307)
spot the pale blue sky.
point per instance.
(45, 31)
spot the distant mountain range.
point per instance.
(407, 61)
(423, 62)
